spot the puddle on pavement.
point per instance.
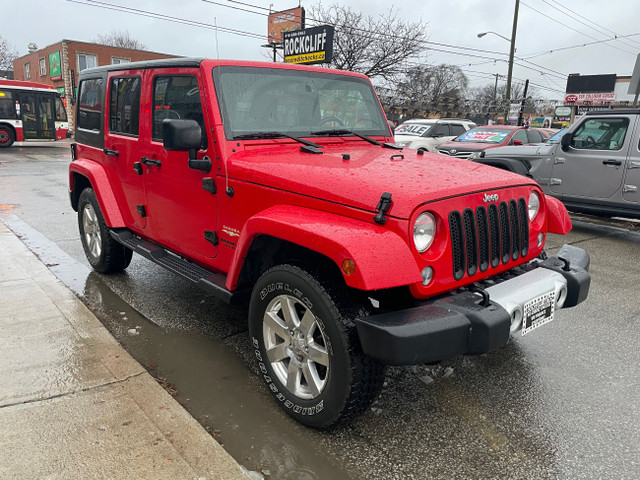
(206, 376)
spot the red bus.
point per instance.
(30, 111)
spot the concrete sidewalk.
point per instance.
(73, 403)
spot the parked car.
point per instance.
(427, 134)
(593, 166)
(471, 143)
(350, 253)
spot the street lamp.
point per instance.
(512, 41)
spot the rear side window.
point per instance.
(174, 97)
(457, 129)
(124, 105)
(90, 104)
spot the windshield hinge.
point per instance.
(383, 207)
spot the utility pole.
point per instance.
(511, 53)
(524, 101)
(495, 88)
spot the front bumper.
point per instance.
(465, 323)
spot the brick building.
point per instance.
(60, 63)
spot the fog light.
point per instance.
(540, 239)
(427, 276)
(348, 267)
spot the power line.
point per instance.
(570, 28)
(594, 24)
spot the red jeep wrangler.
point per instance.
(276, 185)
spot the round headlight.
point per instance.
(424, 231)
(534, 205)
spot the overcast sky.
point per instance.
(455, 23)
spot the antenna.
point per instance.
(215, 23)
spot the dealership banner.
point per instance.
(311, 45)
(601, 98)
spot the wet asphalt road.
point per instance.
(561, 402)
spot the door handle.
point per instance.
(148, 161)
(111, 153)
(616, 163)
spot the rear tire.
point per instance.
(104, 254)
(6, 136)
(307, 348)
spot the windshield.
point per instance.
(483, 135)
(414, 129)
(296, 103)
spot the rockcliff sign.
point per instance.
(311, 45)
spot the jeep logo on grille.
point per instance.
(490, 198)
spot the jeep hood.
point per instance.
(360, 180)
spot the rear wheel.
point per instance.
(307, 348)
(6, 136)
(104, 254)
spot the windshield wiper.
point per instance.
(256, 135)
(344, 131)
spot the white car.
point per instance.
(427, 134)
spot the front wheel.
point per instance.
(307, 348)
(6, 136)
(104, 254)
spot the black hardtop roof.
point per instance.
(162, 63)
(626, 111)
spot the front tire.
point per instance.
(307, 349)
(6, 136)
(104, 254)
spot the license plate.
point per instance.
(538, 311)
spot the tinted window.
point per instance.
(457, 129)
(535, 136)
(520, 135)
(61, 113)
(90, 104)
(601, 134)
(177, 97)
(124, 105)
(7, 105)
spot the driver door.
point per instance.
(593, 165)
(179, 209)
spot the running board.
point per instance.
(209, 281)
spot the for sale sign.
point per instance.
(311, 45)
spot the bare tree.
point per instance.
(376, 46)
(8, 54)
(120, 39)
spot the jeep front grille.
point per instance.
(489, 236)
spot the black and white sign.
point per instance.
(311, 45)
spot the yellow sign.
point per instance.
(306, 57)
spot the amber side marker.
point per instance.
(348, 267)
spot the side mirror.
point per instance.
(181, 135)
(185, 135)
(518, 142)
(566, 140)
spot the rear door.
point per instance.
(123, 143)
(593, 165)
(181, 211)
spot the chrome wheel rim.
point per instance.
(296, 346)
(91, 228)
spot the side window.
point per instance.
(445, 129)
(457, 129)
(7, 105)
(124, 105)
(535, 136)
(520, 135)
(601, 134)
(61, 113)
(90, 104)
(177, 96)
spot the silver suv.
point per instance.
(427, 134)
